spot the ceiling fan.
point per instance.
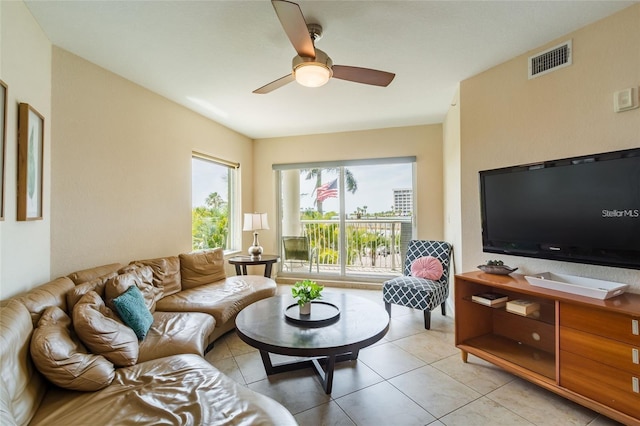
(312, 67)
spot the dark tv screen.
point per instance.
(583, 209)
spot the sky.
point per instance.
(375, 186)
(207, 179)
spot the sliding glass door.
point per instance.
(345, 219)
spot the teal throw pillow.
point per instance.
(133, 311)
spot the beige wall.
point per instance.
(122, 167)
(451, 180)
(425, 142)
(3, 174)
(117, 157)
(508, 120)
(26, 69)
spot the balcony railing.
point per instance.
(372, 246)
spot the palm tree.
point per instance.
(210, 223)
(214, 201)
(352, 184)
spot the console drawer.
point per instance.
(610, 352)
(602, 383)
(611, 325)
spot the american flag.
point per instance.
(328, 190)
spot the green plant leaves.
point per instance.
(306, 291)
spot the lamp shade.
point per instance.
(255, 221)
(312, 74)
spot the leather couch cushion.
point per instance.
(60, 356)
(180, 390)
(166, 273)
(22, 387)
(6, 413)
(223, 299)
(96, 284)
(141, 277)
(40, 298)
(85, 275)
(98, 329)
(202, 267)
(174, 333)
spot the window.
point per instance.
(214, 215)
(357, 215)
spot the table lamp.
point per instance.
(255, 222)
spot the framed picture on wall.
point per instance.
(3, 138)
(30, 162)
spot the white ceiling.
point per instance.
(210, 55)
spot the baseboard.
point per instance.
(368, 285)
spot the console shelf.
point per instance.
(563, 348)
(525, 356)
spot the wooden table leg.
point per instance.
(326, 373)
(464, 355)
(266, 361)
(267, 269)
(324, 367)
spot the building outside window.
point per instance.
(214, 213)
(403, 201)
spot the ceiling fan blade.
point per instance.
(294, 25)
(275, 84)
(363, 75)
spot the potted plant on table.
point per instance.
(306, 291)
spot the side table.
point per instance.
(241, 262)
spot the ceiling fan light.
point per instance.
(312, 74)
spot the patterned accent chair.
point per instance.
(420, 293)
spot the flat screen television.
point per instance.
(583, 209)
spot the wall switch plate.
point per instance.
(624, 100)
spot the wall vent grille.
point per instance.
(550, 60)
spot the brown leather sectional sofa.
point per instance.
(67, 358)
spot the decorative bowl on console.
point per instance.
(496, 267)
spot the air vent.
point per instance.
(550, 60)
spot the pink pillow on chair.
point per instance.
(427, 267)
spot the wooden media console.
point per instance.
(584, 349)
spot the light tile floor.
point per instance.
(412, 376)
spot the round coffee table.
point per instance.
(264, 326)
